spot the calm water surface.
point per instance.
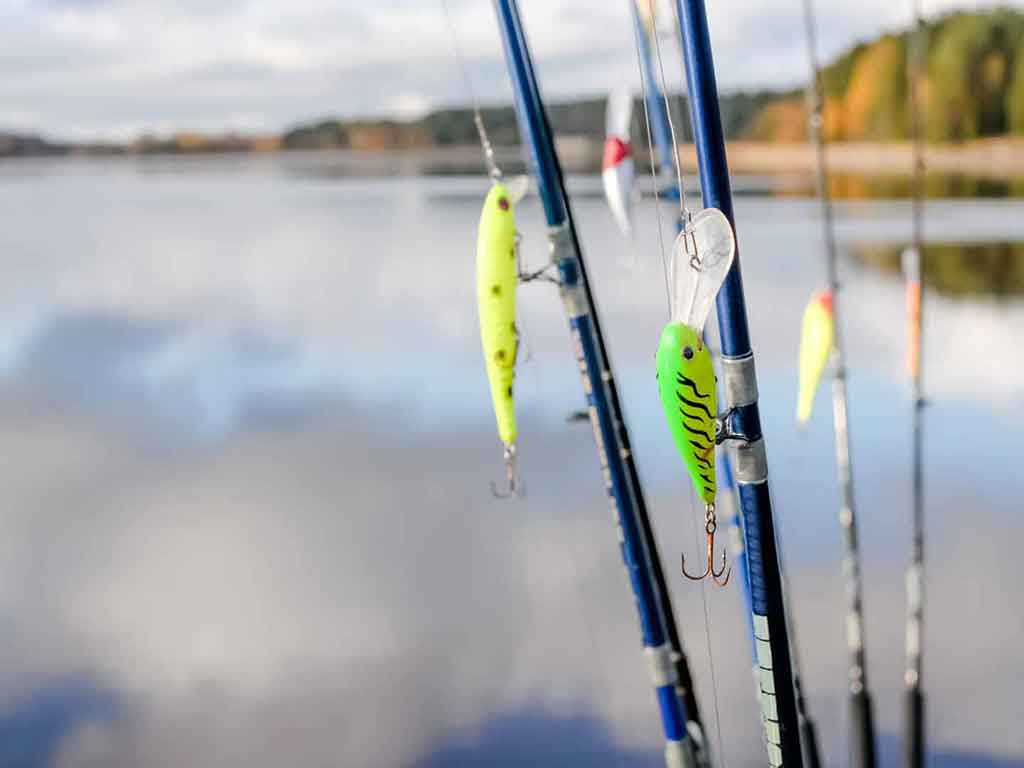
(248, 446)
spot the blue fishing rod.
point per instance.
(661, 134)
(808, 730)
(685, 741)
(657, 109)
(771, 634)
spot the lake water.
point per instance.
(248, 443)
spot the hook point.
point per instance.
(513, 485)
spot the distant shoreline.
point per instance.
(999, 158)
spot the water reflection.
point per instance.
(249, 445)
(960, 269)
(937, 185)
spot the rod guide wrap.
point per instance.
(750, 463)
(739, 381)
(574, 296)
(663, 668)
(679, 754)
(560, 243)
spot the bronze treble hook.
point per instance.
(512, 484)
(710, 526)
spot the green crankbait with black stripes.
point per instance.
(701, 258)
(686, 382)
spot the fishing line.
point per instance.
(695, 534)
(684, 87)
(668, 291)
(685, 216)
(654, 172)
(683, 210)
(485, 143)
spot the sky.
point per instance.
(110, 69)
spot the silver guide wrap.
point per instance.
(750, 462)
(739, 381)
(679, 754)
(562, 249)
(663, 671)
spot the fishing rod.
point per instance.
(914, 268)
(728, 500)
(686, 745)
(737, 548)
(617, 166)
(861, 724)
(771, 634)
(657, 109)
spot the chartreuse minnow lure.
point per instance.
(701, 258)
(497, 275)
(816, 339)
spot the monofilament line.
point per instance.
(696, 535)
(478, 120)
(683, 209)
(654, 170)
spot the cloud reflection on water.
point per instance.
(249, 447)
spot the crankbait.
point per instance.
(701, 258)
(815, 348)
(617, 172)
(497, 275)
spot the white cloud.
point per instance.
(111, 68)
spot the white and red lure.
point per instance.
(617, 171)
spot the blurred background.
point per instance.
(247, 433)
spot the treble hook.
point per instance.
(710, 526)
(512, 484)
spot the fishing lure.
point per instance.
(617, 171)
(912, 274)
(701, 258)
(815, 348)
(497, 275)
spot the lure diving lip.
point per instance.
(496, 282)
(816, 341)
(701, 258)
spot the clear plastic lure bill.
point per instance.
(701, 258)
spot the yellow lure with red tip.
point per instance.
(815, 348)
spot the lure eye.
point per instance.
(496, 290)
(688, 353)
(503, 203)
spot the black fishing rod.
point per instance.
(862, 729)
(914, 734)
(771, 634)
(685, 740)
